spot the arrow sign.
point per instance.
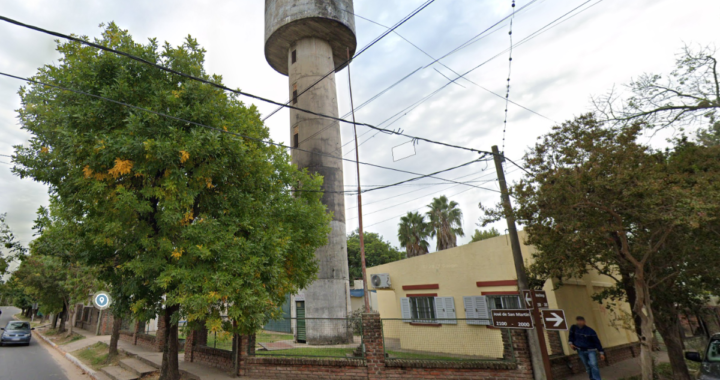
(554, 319)
(528, 299)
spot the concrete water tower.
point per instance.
(305, 40)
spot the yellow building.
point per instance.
(468, 281)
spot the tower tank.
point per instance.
(305, 40)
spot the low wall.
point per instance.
(565, 366)
(144, 340)
(374, 366)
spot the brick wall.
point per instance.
(372, 367)
(213, 357)
(144, 340)
(566, 366)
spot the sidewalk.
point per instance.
(624, 369)
(154, 359)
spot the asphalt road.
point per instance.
(38, 361)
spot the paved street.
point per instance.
(38, 361)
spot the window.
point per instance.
(293, 56)
(296, 137)
(428, 309)
(504, 302)
(294, 96)
(713, 351)
(422, 308)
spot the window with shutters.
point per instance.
(477, 310)
(422, 309)
(505, 302)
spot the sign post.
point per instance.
(538, 299)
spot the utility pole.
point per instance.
(540, 371)
(366, 296)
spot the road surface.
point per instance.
(38, 361)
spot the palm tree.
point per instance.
(445, 222)
(412, 233)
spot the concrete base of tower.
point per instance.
(327, 299)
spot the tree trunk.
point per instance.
(666, 321)
(63, 319)
(54, 321)
(115, 336)
(643, 308)
(170, 369)
(627, 284)
(71, 319)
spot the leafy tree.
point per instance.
(377, 252)
(10, 248)
(484, 234)
(59, 248)
(445, 222)
(413, 232)
(206, 219)
(599, 200)
(686, 97)
(14, 294)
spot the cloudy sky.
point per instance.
(602, 44)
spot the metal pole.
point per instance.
(366, 296)
(536, 356)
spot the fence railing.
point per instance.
(445, 340)
(311, 337)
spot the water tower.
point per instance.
(305, 40)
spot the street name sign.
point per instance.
(512, 319)
(554, 319)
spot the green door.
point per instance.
(300, 305)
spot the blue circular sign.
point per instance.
(102, 300)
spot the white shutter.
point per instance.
(482, 310)
(440, 308)
(405, 309)
(470, 313)
(450, 311)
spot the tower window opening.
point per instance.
(295, 96)
(293, 56)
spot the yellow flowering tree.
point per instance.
(183, 221)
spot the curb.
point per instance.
(69, 357)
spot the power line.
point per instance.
(411, 200)
(524, 40)
(432, 175)
(225, 88)
(507, 92)
(472, 40)
(414, 191)
(373, 42)
(419, 208)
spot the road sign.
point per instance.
(554, 319)
(512, 319)
(541, 301)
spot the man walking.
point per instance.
(585, 341)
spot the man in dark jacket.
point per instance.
(585, 341)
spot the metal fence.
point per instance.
(312, 337)
(445, 340)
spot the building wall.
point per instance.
(457, 272)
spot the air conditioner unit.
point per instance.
(380, 280)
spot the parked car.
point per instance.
(710, 364)
(16, 332)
